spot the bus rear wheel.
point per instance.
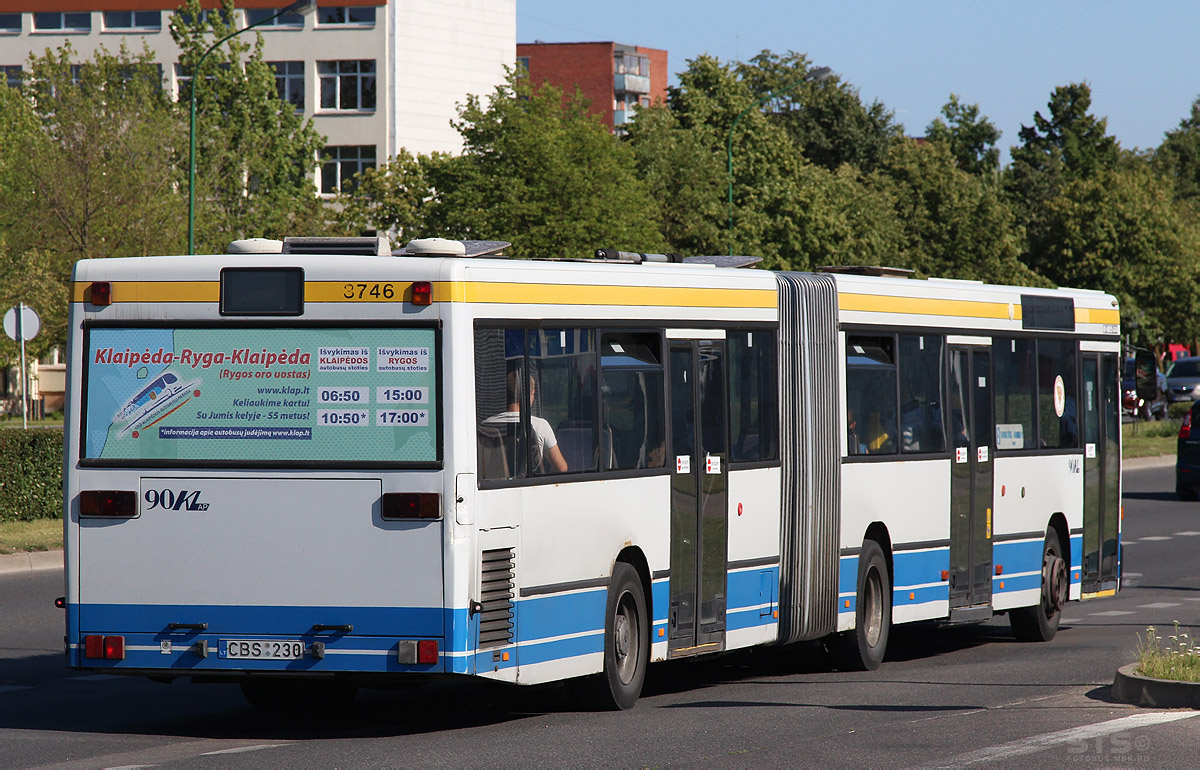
(626, 646)
(1040, 623)
(863, 648)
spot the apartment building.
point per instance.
(375, 76)
(616, 78)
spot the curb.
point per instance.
(33, 560)
(1139, 690)
(1138, 463)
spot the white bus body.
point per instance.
(338, 486)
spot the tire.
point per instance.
(863, 648)
(626, 646)
(1187, 494)
(287, 694)
(1040, 622)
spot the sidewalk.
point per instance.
(24, 562)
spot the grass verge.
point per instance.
(1148, 439)
(1177, 659)
(37, 535)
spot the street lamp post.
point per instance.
(819, 74)
(298, 6)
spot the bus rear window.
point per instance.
(260, 395)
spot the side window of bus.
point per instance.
(499, 366)
(871, 395)
(632, 386)
(921, 397)
(562, 420)
(753, 386)
(1058, 423)
(1015, 374)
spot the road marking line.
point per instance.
(1187, 534)
(92, 678)
(13, 687)
(242, 749)
(1133, 574)
(1159, 605)
(1036, 743)
(1111, 613)
(1155, 537)
(1126, 542)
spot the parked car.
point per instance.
(1183, 379)
(1154, 409)
(1187, 455)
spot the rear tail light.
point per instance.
(107, 503)
(412, 505)
(427, 652)
(100, 293)
(422, 293)
(1185, 430)
(99, 647)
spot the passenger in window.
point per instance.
(855, 444)
(919, 425)
(545, 445)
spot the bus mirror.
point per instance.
(1146, 373)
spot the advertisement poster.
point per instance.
(300, 394)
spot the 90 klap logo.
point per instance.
(170, 500)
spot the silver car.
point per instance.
(1183, 379)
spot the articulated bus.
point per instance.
(314, 465)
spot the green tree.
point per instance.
(970, 136)
(40, 279)
(827, 119)
(538, 171)
(89, 168)
(393, 198)
(255, 155)
(956, 225)
(1120, 231)
(1179, 155)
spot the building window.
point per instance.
(261, 16)
(347, 85)
(631, 64)
(12, 75)
(289, 80)
(359, 15)
(523, 63)
(62, 22)
(10, 23)
(342, 163)
(183, 81)
(133, 20)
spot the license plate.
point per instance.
(262, 649)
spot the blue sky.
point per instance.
(1142, 59)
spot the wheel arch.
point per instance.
(634, 557)
(1058, 523)
(878, 532)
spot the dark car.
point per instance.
(1183, 379)
(1187, 457)
(1154, 409)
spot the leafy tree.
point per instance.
(40, 279)
(827, 120)
(1179, 155)
(538, 171)
(1120, 231)
(970, 136)
(89, 168)
(393, 198)
(955, 224)
(255, 155)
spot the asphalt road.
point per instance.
(945, 697)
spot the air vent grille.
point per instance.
(496, 596)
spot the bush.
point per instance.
(31, 483)
(1177, 410)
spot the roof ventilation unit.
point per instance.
(444, 247)
(377, 246)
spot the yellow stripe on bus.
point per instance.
(455, 291)
(875, 303)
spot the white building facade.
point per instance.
(375, 77)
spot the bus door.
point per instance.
(1101, 474)
(698, 497)
(971, 429)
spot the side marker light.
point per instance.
(422, 293)
(100, 293)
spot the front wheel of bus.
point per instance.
(626, 645)
(863, 648)
(1040, 623)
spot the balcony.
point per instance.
(633, 84)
